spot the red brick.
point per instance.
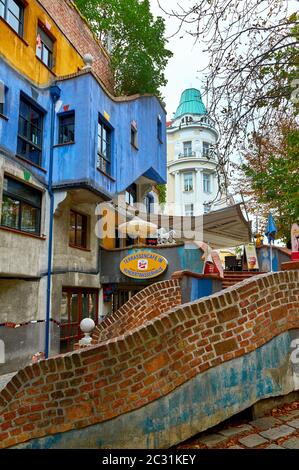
(156, 363)
(228, 314)
(225, 346)
(279, 313)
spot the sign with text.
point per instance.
(143, 265)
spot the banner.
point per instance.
(251, 256)
(295, 237)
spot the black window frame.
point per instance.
(20, 20)
(3, 104)
(84, 230)
(134, 136)
(48, 43)
(159, 129)
(35, 108)
(104, 161)
(61, 126)
(131, 194)
(22, 200)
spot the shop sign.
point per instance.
(152, 241)
(143, 265)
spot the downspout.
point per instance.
(55, 92)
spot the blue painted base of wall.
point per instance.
(203, 402)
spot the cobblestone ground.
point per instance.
(4, 379)
(278, 430)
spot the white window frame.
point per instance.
(187, 152)
(206, 149)
(190, 211)
(186, 181)
(207, 190)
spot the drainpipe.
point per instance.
(55, 92)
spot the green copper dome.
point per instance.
(191, 103)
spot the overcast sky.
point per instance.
(182, 70)
(188, 59)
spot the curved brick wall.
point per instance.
(94, 385)
(147, 304)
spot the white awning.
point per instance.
(226, 227)
(220, 229)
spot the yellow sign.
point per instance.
(143, 265)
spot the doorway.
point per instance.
(76, 304)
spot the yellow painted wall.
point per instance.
(110, 220)
(20, 52)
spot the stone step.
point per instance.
(234, 277)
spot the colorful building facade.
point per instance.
(66, 145)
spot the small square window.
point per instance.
(66, 128)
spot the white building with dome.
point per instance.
(192, 182)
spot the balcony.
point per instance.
(211, 155)
(187, 154)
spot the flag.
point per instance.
(271, 229)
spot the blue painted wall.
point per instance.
(77, 162)
(278, 257)
(191, 258)
(201, 288)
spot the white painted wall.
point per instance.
(196, 163)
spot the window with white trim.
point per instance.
(44, 47)
(206, 149)
(189, 211)
(187, 148)
(207, 183)
(188, 182)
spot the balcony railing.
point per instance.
(187, 154)
(210, 155)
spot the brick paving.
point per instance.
(279, 430)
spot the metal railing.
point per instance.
(211, 155)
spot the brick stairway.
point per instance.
(233, 277)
